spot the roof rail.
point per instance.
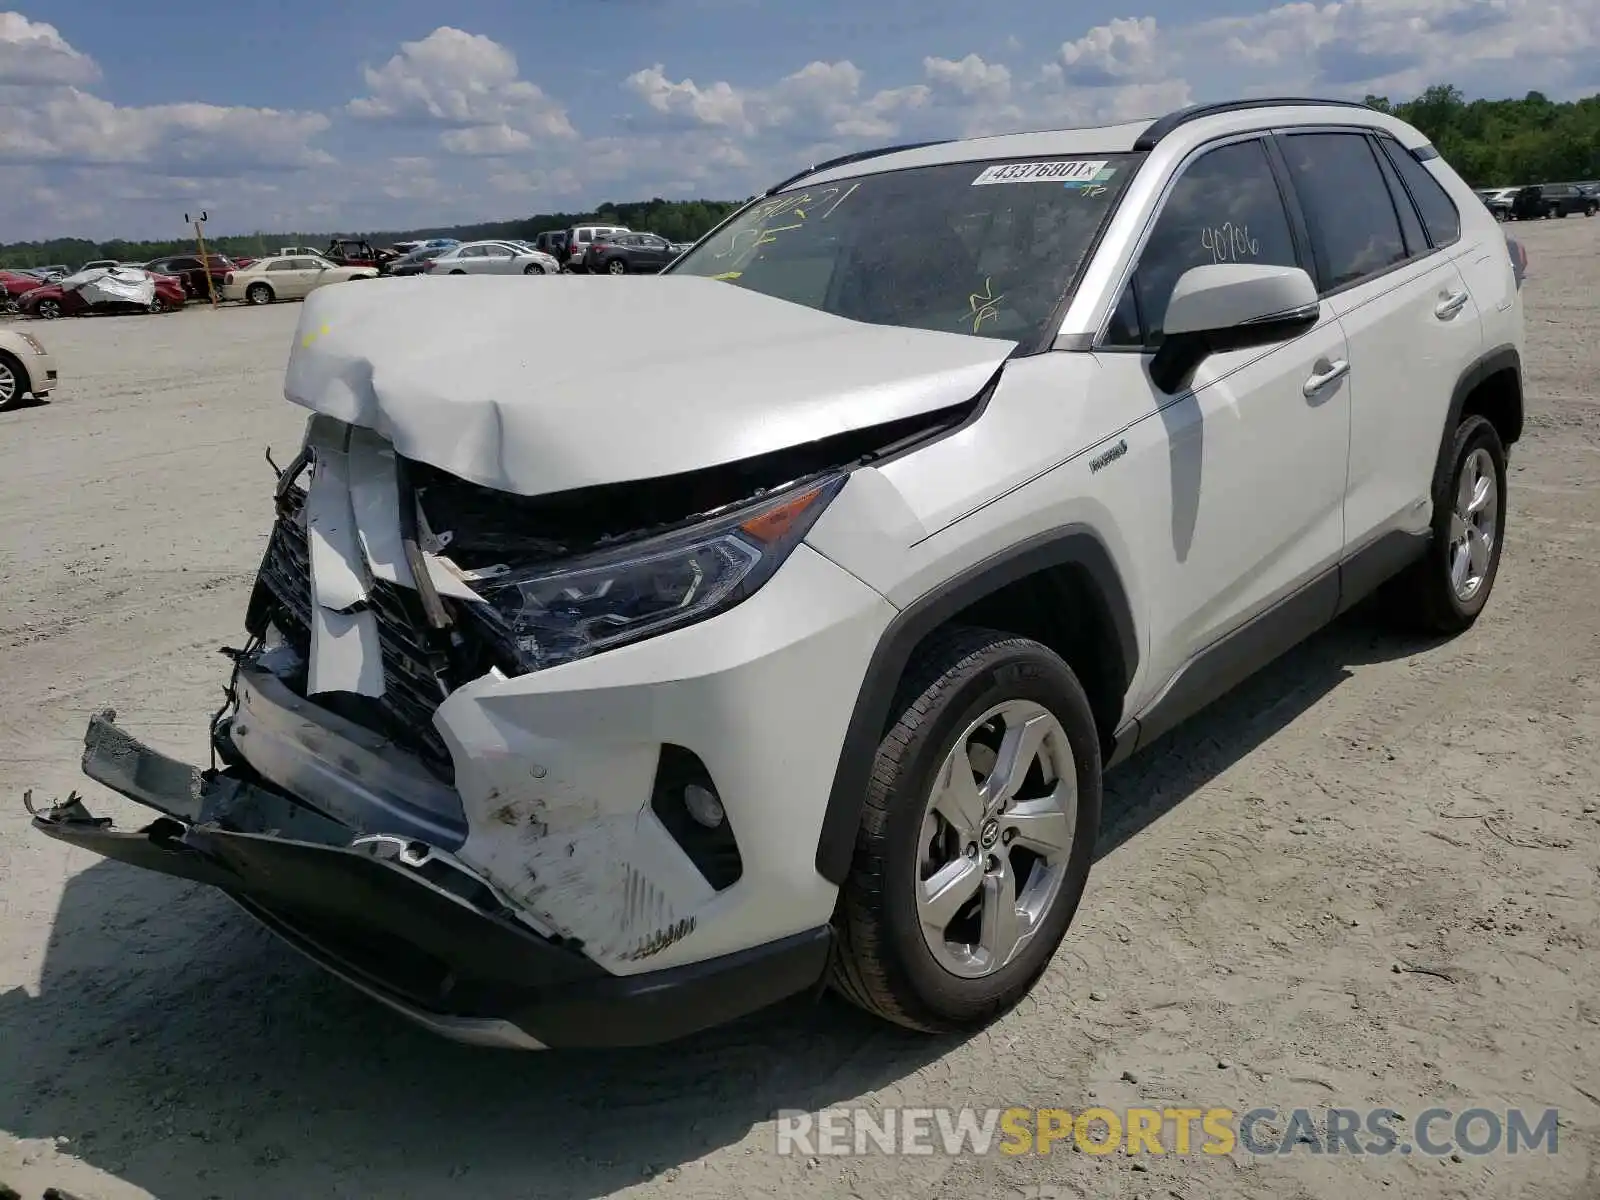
(1162, 126)
(846, 159)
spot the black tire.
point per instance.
(616, 266)
(1589, 209)
(882, 962)
(51, 310)
(21, 385)
(533, 269)
(458, 271)
(1422, 598)
(259, 293)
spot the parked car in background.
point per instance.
(1540, 200)
(493, 258)
(45, 274)
(415, 263)
(577, 243)
(14, 285)
(100, 263)
(1498, 201)
(279, 278)
(192, 272)
(53, 300)
(297, 252)
(26, 368)
(355, 252)
(628, 254)
(551, 242)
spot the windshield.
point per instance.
(987, 248)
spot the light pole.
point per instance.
(205, 263)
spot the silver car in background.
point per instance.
(498, 257)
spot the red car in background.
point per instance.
(16, 285)
(52, 301)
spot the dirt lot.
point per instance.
(1270, 878)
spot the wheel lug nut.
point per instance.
(1008, 835)
(972, 850)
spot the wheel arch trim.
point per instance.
(1505, 357)
(1071, 545)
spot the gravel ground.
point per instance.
(1369, 878)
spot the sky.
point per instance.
(118, 118)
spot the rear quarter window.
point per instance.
(1439, 213)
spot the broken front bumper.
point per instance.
(402, 921)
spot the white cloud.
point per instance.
(1402, 46)
(1125, 50)
(32, 52)
(822, 100)
(470, 87)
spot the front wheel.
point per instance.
(533, 269)
(1589, 209)
(1445, 590)
(50, 310)
(977, 835)
(13, 381)
(458, 271)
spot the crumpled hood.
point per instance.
(542, 385)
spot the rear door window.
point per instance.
(1354, 227)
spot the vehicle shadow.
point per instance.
(186, 1052)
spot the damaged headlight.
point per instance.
(613, 597)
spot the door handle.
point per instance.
(1450, 305)
(1322, 378)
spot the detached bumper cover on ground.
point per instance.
(401, 923)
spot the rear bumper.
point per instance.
(403, 922)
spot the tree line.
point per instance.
(1492, 143)
(1505, 143)
(676, 220)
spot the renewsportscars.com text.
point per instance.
(1435, 1132)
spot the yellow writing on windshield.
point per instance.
(985, 305)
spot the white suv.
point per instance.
(786, 641)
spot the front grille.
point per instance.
(411, 692)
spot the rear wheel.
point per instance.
(458, 271)
(13, 381)
(616, 267)
(1444, 591)
(1589, 209)
(976, 839)
(258, 293)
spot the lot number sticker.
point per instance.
(1076, 172)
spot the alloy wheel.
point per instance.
(997, 833)
(1474, 524)
(9, 390)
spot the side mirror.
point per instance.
(1230, 306)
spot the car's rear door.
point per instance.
(1411, 320)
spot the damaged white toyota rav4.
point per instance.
(785, 642)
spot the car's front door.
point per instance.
(1241, 527)
(1410, 317)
